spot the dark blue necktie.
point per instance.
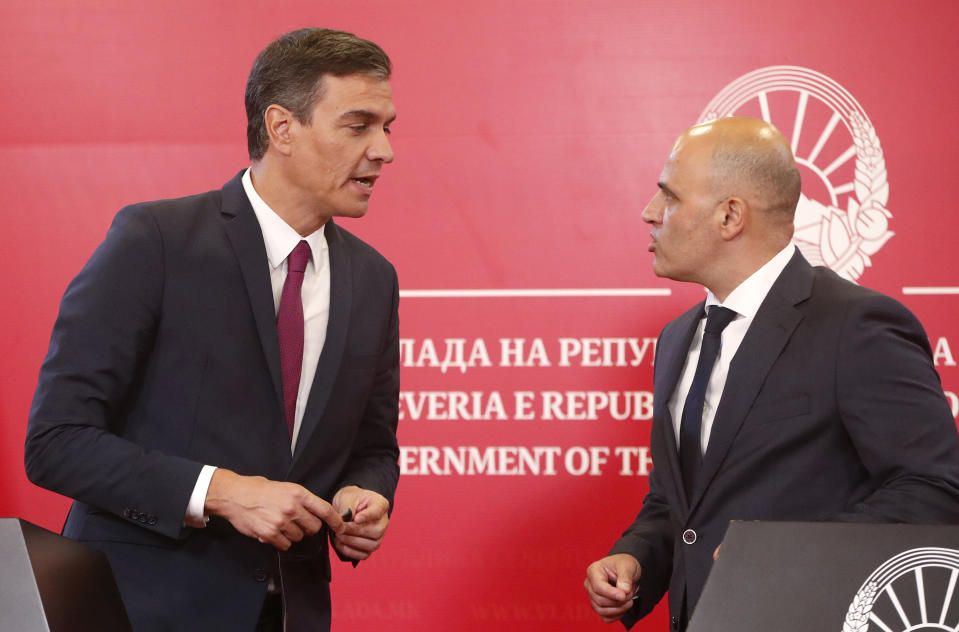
(690, 429)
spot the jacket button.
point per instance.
(260, 575)
(152, 520)
(674, 623)
(689, 536)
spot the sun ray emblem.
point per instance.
(914, 591)
(842, 219)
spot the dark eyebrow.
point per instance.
(364, 115)
(665, 189)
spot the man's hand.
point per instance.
(364, 534)
(270, 511)
(611, 583)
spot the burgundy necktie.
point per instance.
(289, 327)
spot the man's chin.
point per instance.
(659, 269)
(352, 212)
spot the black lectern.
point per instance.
(831, 577)
(51, 583)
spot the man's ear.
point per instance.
(280, 124)
(732, 214)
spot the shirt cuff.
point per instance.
(194, 509)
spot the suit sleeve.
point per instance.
(98, 353)
(650, 540)
(893, 407)
(373, 459)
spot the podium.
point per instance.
(832, 577)
(49, 583)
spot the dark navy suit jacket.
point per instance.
(164, 358)
(832, 410)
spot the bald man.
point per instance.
(788, 394)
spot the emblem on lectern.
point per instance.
(842, 219)
(911, 592)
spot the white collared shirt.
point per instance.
(280, 239)
(745, 301)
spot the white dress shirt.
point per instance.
(745, 301)
(280, 239)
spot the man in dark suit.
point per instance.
(222, 380)
(801, 397)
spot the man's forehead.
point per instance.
(687, 163)
(676, 161)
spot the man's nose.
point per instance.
(381, 150)
(653, 213)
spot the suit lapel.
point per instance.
(246, 238)
(328, 367)
(673, 348)
(769, 332)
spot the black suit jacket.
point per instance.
(832, 410)
(164, 358)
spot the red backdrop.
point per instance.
(530, 136)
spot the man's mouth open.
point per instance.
(365, 182)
